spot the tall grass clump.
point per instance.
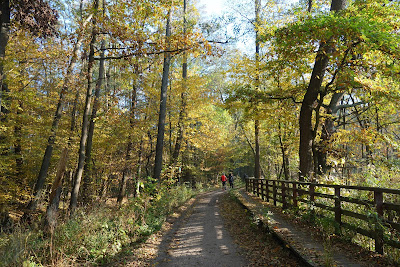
(94, 236)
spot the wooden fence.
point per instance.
(375, 212)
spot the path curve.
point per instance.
(199, 239)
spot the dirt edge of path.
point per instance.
(143, 254)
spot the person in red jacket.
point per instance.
(223, 180)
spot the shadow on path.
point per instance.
(199, 238)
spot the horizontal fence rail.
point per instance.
(369, 211)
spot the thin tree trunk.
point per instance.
(85, 123)
(52, 209)
(104, 187)
(4, 33)
(87, 187)
(257, 169)
(125, 174)
(285, 158)
(309, 6)
(128, 168)
(57, 117)
(54, 200)
(163, 106)
(4, 91)
(19, 162)
(150, 155)
(139, 169)
(182, 113)
(262, 169)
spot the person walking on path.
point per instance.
(223, 180)
(230, 179)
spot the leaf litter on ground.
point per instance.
(259, 247)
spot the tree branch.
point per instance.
(341, 65)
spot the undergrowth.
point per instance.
(93, 237)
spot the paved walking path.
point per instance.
(299, 239)
(199, 239)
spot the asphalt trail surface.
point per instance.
(199, 238)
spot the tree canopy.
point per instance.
(315, 92)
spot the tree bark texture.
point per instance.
(310, 102)
(56, 189)
(257, 167)
(182, 112)
(88, 166)
(163, 106)
(285, 157)
(139, 168)
(85, 122)
(328, 129)
(305, 121)
(4, 33)
(52, 209)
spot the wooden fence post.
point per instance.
(283, 188)
(295, 195)
(311, 191)
(262, 190)
(378, 200)
(267, 189)
(338, 211)
(274, 192)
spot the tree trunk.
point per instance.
(310, 102)
(87, 187)
(128, 168)
(85, 123)
(163, 106)
(328, 129)
(4, 32)
(149, 155)
(104, 187)
(257, 168)
(182, 112)
(19, 161)
(52, 209)
(54, 200)
(125, 174)
(181, 129)
(4, 99)
(285, 158)
(139, 168)
(57, 117)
